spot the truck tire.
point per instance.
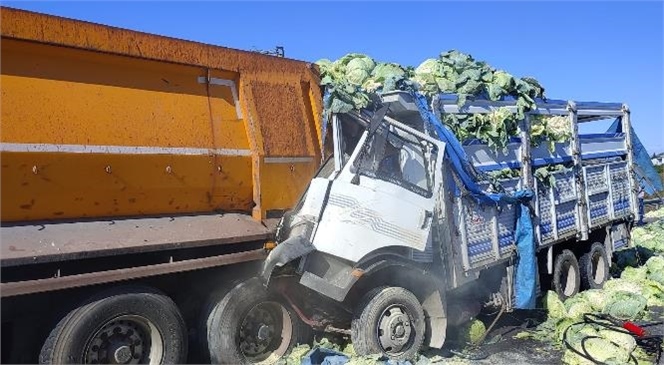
(251, 326)
(388, 320)
(201, 345)
(594, 266)
(566, 275)
(125, 325)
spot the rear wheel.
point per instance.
(251, 326)
(566, 275)
(594, 267)
(123, 326)
(388, 320)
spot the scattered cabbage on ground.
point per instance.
(630, 297)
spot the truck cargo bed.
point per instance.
(595, 191)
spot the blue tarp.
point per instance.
(324, 356)
(526, 265)
(647, 176)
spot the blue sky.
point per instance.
(589, 51)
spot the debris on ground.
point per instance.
(588, 328)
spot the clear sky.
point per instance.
(588, 51)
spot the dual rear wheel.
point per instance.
(590, 271)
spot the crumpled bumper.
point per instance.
(292, 248)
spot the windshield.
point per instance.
(398, 157)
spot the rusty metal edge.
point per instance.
(22, 24)
(78, 255)
(74, 281)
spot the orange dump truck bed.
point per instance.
(104, 122)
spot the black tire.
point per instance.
(233, 339)
(566, 275)
(142, 315)
(594, 267)
(201, 344)
(370, 320)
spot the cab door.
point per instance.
(385, 194)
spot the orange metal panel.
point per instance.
(68, 84)
(92, 98)
(295, 177)
(43, 28)
(47, 186)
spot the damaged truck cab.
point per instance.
(370, 212)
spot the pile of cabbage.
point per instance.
(354, 80)
(651, 236)
(627, 298)
(632, 296)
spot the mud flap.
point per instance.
(287, 251)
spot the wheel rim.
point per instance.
(265, 333)
(598, 268)
(127, 339)
(568, 279)
(395, 332)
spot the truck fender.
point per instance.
(434, 309)
(285, 252)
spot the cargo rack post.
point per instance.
(576, 150)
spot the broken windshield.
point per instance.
(398, 157)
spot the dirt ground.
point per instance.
(500, 348)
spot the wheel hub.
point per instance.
(122, 354)
(124, 340)
(394, 329)
(264, 332)
(258, 330)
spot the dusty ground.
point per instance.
(500, 348)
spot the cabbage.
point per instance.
(596, 298)
(357, 76)
(655, 264)
(657, 276)
(651, 236)
(561, 327)
(384, 71)
(622, 285)
(472, 332)
(361, 62)
(451, 72)
(296, 354)
(554, 306)
(358, 69)
(429, 69)
(659, 213)
(625, 305)
(577, 306)
(324, 65)
(598, 348)
(624, 340)
(634, 274)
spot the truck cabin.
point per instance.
(384, 149)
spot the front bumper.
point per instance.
(292, 248)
